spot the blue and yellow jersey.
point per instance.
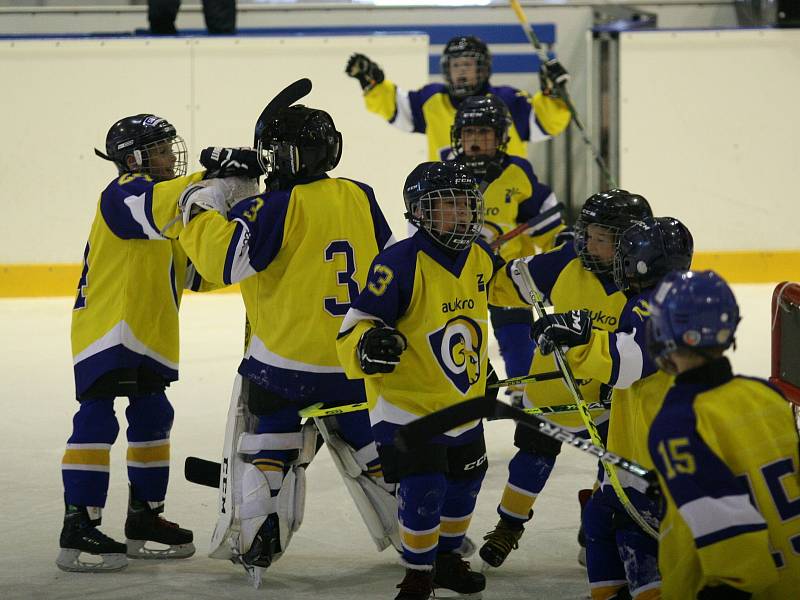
(439, 302)
(302, 255)
(562, 281)
(620, 359)
(726, 451)
(126, 309)
(431, 110)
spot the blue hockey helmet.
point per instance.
(443, 199)
(691, 309)
(650, 249)
(146, 144)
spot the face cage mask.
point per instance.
(279, 158)
(477, 164)
(445, 223)
(589, 261)
(463, 90)
(145, 155)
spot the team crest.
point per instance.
(457, 348)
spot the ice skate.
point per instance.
(500, 542)
(416, 585)
(80, 535)
(144, 525)
(264, 547)
(452, 573)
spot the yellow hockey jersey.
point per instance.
(431, 110)
(126, 310)
(302, 255)
(562, 281)
(439, 302)
(726, 451)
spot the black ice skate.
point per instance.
(265, 545)
(417, 585)
(80, 535)
(500, 541)
(145, 525)
(451, 572)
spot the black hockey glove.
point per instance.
(368, 73)
(491, 377)
(230, 162)
(562, 329)
(565, 236)
(552, 77)
(379, 349)
(723, 592)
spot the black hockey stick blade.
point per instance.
(201, 471)
(285, 98)
(419, 432)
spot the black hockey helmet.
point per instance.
(435, 195)
(486, 111)
(298, 141)
(650, 249)
(467, 46)
(151, 141)
(614, 210)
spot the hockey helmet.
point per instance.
(443, 200)
(146, 144)
(480, 111)
(466, 46)
(650, 249)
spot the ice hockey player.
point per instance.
(418, 335)
(301, 252)
(571, 277)
(466, 67)
(619, 553)
(512, 194)
(125, 343)
(726, 450)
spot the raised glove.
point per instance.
(217, 194)
(230, 162)
(379, 349)
(562, 330)
(722, 592)
(368, 73)
(552, 76)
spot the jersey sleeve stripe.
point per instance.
(627, 360)
(403, 117)
(237, 260)
(713, 519)
(141, 208)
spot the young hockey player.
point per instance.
(301, 253)
(726, 450)
(466, 67)
(619, 552)
(125, 343)
(571, 277)
(418, 335)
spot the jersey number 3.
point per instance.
(333, 306)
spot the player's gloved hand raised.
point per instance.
(569, 329)
(379, 349)
(230, 162)
(552, 77)
(722, 592)
(368, 73)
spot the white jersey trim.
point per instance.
(122, 335)
(135, 204)
(548, 203)
(708, 515)
(259, 352)
(354, 317)
(537, 133)
(402, 118)
(631, 360)
(240, 265)
(386, 412)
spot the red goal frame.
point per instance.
(786, 292)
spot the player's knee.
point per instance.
(262, 402)
(597, 520)
(430, 458)
(529, 440)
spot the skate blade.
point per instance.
(253, 573)
(441, 592)
(69, 560)
(467, 548)
(485, 567)
(137, 549)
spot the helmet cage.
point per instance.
(440, 214)
(466, 47)
(590, 262)
(482, 112)
(148, 163)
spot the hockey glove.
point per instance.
(368, 73)
(215, 194)
(379, 350)
(552, 77)
(565, 236)
(491, 377)
(230, 162)
(723, 592)
(563, 330)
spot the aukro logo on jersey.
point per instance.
(457, 348)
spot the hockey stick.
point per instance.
(319, 410)
(562, 90)
(532, 222)
(521, 271)
(419, 432)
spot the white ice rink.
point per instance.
(331, 557)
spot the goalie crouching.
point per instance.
(418, 336)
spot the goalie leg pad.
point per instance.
(376, 505)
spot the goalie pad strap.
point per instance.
(252, 443)
(366, 455)
(257, 507)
